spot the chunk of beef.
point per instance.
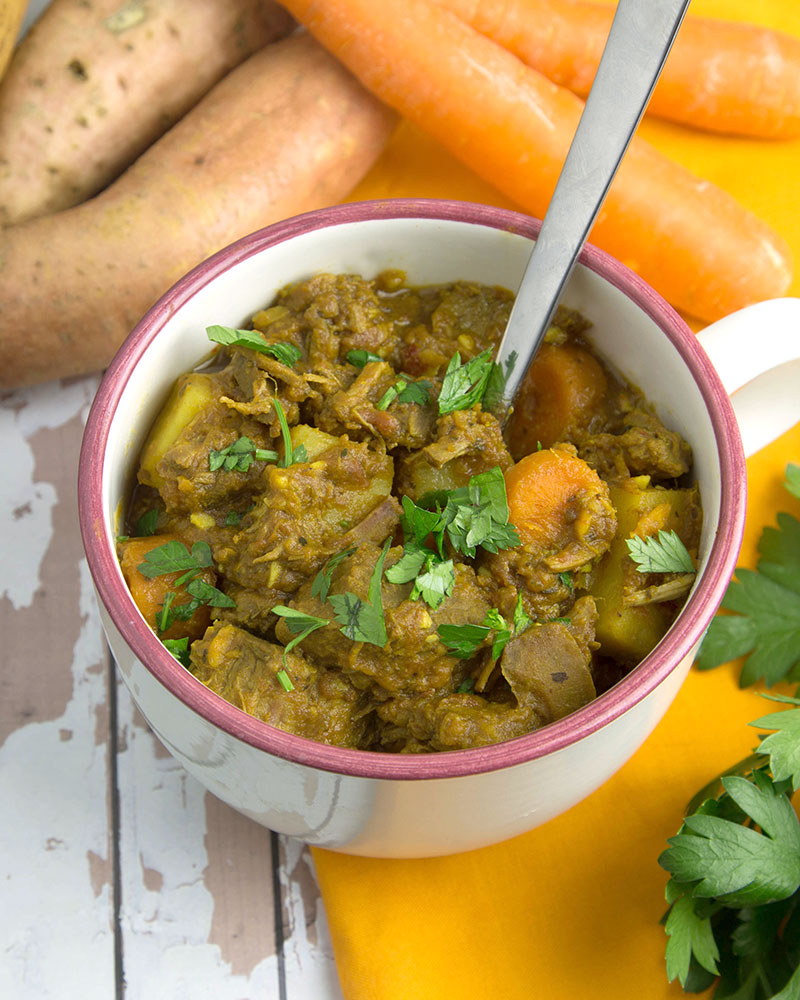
(303, 513)
(644, 447)
(467, 442)
(243, 669)
(354, 411)
(548, 670)
(187, 482)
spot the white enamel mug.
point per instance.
(388, 805)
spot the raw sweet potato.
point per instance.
(287, 131)
(11, 12)
(95, 82)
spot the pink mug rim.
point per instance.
(99, 541)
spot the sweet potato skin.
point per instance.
(95, 82)
(287, 131)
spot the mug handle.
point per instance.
(756, 352)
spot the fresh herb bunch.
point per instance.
(765, 626)
(734, 890)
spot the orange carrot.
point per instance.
(559, 504)
(720, 76)
(564, 387)
(692, 241)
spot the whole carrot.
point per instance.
(692, 241)
(721, 76)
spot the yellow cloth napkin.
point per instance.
(572, 909)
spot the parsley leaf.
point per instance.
(363, 621)
(288, 354)
(360, 357)
(690, 934)
(201, 593)
(665, 553)
(291, 455)
(436, 583)
(464, 384)
(239, 456)
(147, 523)
(476, 515)
(782, 745)
(321, 583)
(464, 641)
(179, 649)
(414, 557)
(174, 557)
(766, 626)
(300, 625)
(723, 859)
(792, 483)
(404, 391)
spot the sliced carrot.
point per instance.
(564, 387)
(720, 76)
(559, 504)
(692, 241)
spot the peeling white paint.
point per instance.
(26, 507)
(310, 968)
(53, 927)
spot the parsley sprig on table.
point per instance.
(734, 890)
(734, 864)
(766, 625)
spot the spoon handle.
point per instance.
(638, 44)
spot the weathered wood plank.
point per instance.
(56, 922)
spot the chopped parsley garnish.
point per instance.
(360, 357)
(464, 384)
(476, 515)
(201, 592)
(174, 557)
(464, 641)
(232, 519)
(321, 583)
(363, 620)
(301, 626)
(179, 649)
(766, 625)
(470, 517)
(288, 354)
(404, 391)
(147, 523)
(290, 455)
(664, 553)
(239, 456)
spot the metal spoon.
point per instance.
(638, 44)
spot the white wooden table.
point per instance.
(121, 877)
